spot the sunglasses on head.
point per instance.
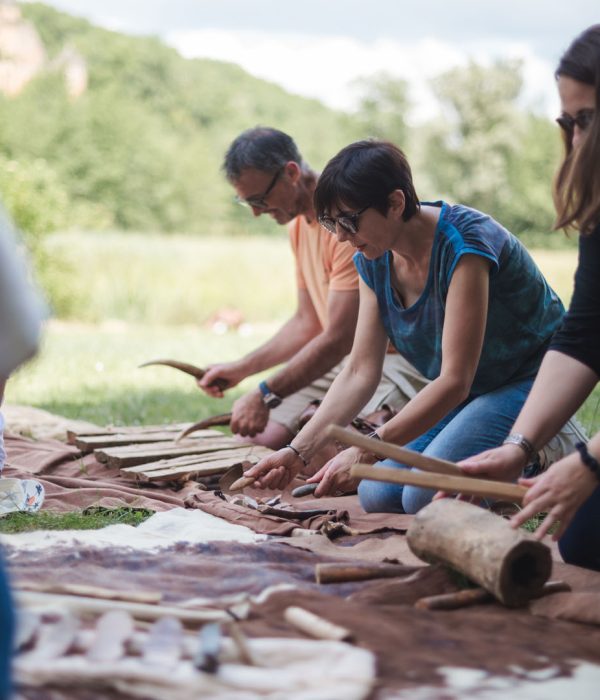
(582, 120)
(348, 221)
(258, 201)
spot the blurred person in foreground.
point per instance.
(455, 292)
(20, 322)
(270, 177)
(569, 492)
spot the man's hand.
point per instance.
(229, 373)
(560, 492)
(277, 470)
(249, 415)
(335, 477)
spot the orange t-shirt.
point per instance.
(322, 263)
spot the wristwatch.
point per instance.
(269, 398)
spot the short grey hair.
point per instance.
(261, 148)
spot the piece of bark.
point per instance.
(119, 457)
(315, 626)
(509, 563)
(97, 442)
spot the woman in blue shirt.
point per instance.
(456, 294)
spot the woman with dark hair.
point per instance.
(570, 490)
(456, 294)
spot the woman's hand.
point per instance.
(277, 470)
(334, 476)
(560, 492)
(504, 463)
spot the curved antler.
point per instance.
(221, 419)
(196, 372)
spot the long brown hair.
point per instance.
(577, 184)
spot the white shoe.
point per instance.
(562, 444)
(20, 495)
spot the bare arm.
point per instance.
(299, 330)
(325, 350)
(561, 386)
(349, 392)
(321, 353)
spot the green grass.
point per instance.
(89, 519)
(91, 372)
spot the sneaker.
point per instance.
(562, 444)
(20, 495)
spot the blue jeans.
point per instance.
(580, 545)
(6, 635)
(478, 424)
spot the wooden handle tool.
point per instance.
(391, 451)
(484, 488)
(241, 483)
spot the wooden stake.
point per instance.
(341, 573)
(315, 626)
(467, 485)
(391, 451)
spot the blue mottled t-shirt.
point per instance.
(523, 310)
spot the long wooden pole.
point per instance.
(391, 451)
(483, 488)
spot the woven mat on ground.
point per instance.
(511, 649)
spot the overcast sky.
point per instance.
(319, 47)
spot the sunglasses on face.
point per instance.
(582, 120)
(348, 221)
(258, 201)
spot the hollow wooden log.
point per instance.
(342, 573)
(508, 563)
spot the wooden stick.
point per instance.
(391, 451)
(141, 611)
(315, 626)
(88, 591)
(469, 486)
(453, 601)
(341, 573)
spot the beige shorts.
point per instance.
(400, 381)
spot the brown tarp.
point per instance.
(411, 645)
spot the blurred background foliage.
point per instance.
(141, 149)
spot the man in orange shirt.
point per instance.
(270, 177)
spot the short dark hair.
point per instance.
(577, 185)
(261, 148)
(364, 174)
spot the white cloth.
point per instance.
(159, 531)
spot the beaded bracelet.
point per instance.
(297, 453)
(589, 461)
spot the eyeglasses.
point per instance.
(348, 221)
(259, 201)
(582, 119)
